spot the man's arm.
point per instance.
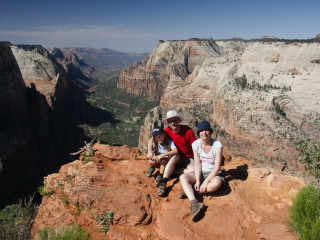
(190, 136)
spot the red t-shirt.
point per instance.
(183, 140)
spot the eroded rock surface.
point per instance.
(253, 205)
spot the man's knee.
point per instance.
(183, 177)
(174, 160)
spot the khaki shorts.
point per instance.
(204, 175)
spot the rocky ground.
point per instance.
(253, 205)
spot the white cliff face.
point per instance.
(170, 59)
(40, 71)
(288, 67)
(36, 68)
(278, 102)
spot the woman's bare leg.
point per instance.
(214, 184)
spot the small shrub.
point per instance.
(305, 212)
(241, 81)
(63, 233)
(16, 220)
(64, 198)
(309, 151)
(280, 111)
(104, 219)
(85, 160)
(43, 190)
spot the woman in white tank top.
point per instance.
(207, 153)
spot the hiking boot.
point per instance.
(196, 209)
(182, 195)
(150, 171)
(162, 189)
(158, 180)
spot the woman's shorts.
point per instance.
(204, 175)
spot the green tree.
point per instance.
(305, 213)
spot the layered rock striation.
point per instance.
(176, 58)
(38, 103)
(259, 96)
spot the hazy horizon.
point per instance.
(136, 26)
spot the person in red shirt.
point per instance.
(183, 137)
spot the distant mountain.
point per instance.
(76, 68)
(103, 60)
(88, 66)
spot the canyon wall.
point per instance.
(41, 70)
(259, 96)
(38, 106)
(178, 58)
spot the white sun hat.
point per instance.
(172, 114)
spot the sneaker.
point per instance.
(196, 210)
(162, 189)
(182, 195)
(150, 171)
(158, 179)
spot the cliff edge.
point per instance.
(39, 105)
(253, 205)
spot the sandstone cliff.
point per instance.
(178, 58)
(260, 96)
(74, 66)
(253, 205)
(37, 104)
(41, 70)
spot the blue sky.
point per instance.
(137, 25)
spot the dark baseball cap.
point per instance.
(157, 130)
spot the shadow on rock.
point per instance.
(241, 173)
(99, 116)
(201, 215)
(170, 187)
